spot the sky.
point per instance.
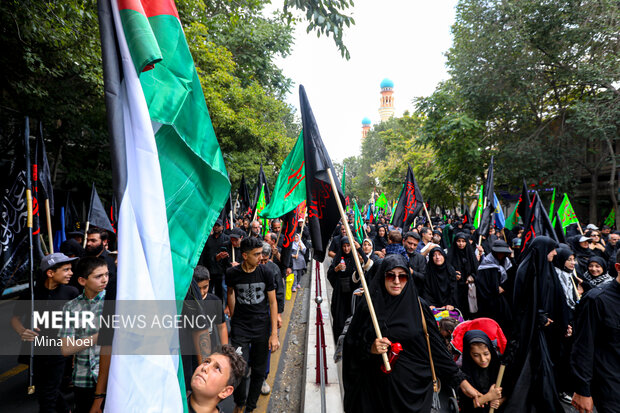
(404, 41)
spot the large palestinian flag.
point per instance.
(169, 178)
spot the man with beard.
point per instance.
(214, 256)
(96, 240)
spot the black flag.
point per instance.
(410, 202)
(487, 213)
(14, 264)
(289, 227)
(466, 216)
(225, 214)
(44, 175)
(244, 198)
(537, 222)
(96, 213)
(524, 203)
(559, 232)
(323, 214)
(72, 218)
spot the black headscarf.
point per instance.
(480, 378)
(559, 261)
(380, 242)
(439, 282)
(463, 260)
(538, 296)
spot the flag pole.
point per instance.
(428, 216)
(31, 251)
(85, 233)
(45, 251)
(49, 226)
(360, 272)
(498, 382)
(484, 205)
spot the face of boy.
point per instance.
(480, 354)
(62, 275)
(97, 280)
(210, 379)
(253, 256)
(204, 288)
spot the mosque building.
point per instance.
(386, 107)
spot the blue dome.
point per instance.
(366, 121)
(386, 83)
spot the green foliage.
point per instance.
(532, 82)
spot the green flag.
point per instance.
(567, 213)
(513, 219)
(479, 208)
(358, 223)
(381, 201)
(551, 208)
(611, 218)
(260, 206)
(290, 188)
(344, 176)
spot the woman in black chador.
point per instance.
(439, 281)
(408, 387)
(541, 319)
(340, 276)
(462, 257)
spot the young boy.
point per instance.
(215, 379)
(52, 287)
(254, 318)
(93, 275)
(212, 307)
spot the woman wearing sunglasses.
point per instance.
(408, 386)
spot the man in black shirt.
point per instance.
(214, 255)
(50, 293)
(595, 358)
(417, 262)
(254, 318)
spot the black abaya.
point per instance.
(408, 388)
(439, 282)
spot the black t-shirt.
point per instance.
(251, 315)
(45, 300)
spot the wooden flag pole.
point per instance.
(303, 224)
(428, 216)
(574, 285)
(498, 382)
(49, 226)
(85, 234)
(579, 225)
(45, 251)
(360, 272)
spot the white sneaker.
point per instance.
(265, 389)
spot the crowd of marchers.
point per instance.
(545, 315)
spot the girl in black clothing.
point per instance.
(581, 247)
(480, 365)
(462, 257)
(596, 275)
(440, 281)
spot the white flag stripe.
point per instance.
(142, 383)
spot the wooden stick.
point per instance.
(50, 236)
(86, 233)
(360, 272)
(579, 225)
(484, 205)
(575, 285)
(428, 216)
(303, 224)
(45, 251)
(498, 382)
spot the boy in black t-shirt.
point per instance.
(254, 318)
(51, 292)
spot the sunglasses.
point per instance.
(390, 276)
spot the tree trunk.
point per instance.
(593, 196)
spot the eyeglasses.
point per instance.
(390, 276)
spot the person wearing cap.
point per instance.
(51, 292)
(236, 235)
(214, 256)
(580, 244)
(491, 281)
